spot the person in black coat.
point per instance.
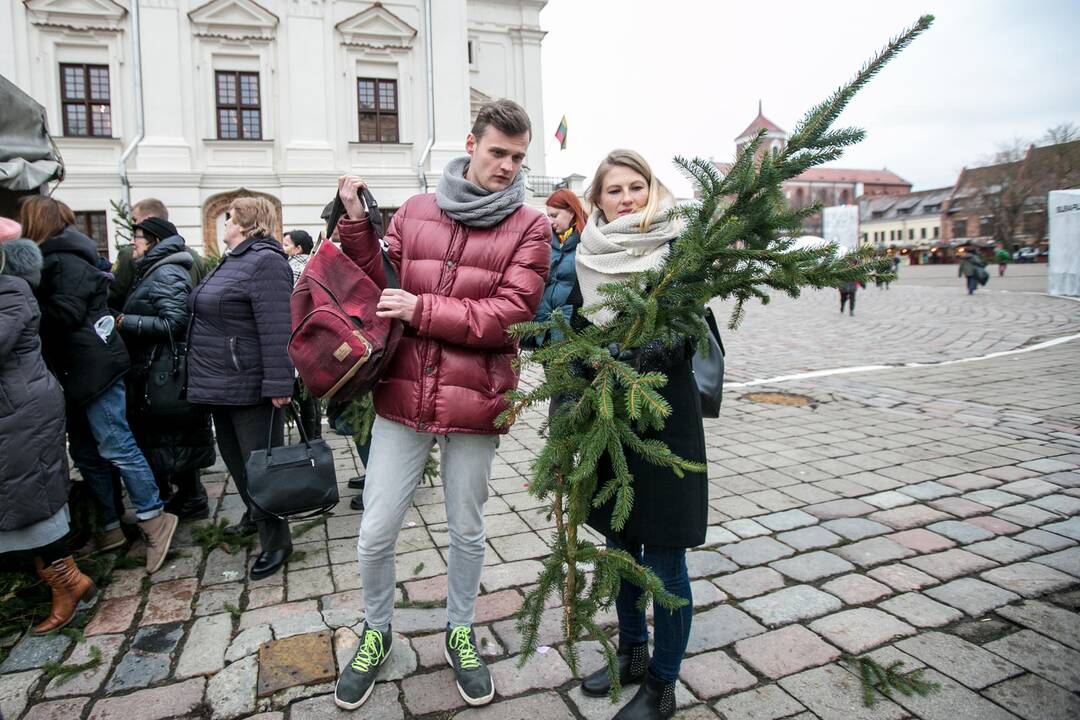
(34, 479)
(238, 360)
(82, 348)
(629, 231)
(153, 324)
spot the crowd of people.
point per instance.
(86, 350)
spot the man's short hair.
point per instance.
(506, 115)
(151, 207)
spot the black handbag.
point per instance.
(291, 480)
(709, 370)
(165, 392)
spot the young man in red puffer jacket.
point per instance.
(472, 260)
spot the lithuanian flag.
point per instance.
(560, 134)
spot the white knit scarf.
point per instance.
(614, 251)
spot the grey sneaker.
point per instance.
(357, 679)
(473, 679)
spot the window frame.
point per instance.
(239, 106)
(84, 221)
(87, 101)
(380, 114)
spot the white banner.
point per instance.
(1064, 270)
(840, 225)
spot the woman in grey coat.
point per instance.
(34, 480)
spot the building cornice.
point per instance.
(233, 20)
(79, 15)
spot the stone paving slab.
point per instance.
(1033, 698)
(1041, 655)
(971, 665)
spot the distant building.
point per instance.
(902, 222)
(1006, 203)
(825, 185)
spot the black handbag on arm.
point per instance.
(709, 371)
(291, 480)
(165, 392)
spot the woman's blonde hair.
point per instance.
(633, 161)
(255, 215)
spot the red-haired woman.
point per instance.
(561, 293)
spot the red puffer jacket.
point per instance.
(452, 368)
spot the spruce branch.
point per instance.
(737, 244)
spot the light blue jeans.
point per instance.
(398, 455)
(101, 439)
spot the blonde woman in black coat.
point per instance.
(631, 231)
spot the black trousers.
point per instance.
(241, 429)
(847, 297)
(310, 410)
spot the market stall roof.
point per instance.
(28, 156)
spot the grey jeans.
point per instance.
(398, 455)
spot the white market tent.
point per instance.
(1063, 276)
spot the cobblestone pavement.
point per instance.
(925, 317)
(929, 515)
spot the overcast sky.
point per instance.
(684, 77)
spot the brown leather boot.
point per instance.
(158, 532)
(69, 587)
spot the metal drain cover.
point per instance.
(779, 398)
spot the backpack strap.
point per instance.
(375, 218)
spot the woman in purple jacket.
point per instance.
(238, 363)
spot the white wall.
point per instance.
(308, 54)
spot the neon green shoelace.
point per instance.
(369, 653)
(461, 643)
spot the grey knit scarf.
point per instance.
(472, 205)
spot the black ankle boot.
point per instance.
(633, 662)
(190, 501)
(655, 700)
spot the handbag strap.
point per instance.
(710, 320)
(299, 425)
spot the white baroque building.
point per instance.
(273, 97)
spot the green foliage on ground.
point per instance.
(877, 678)
(214, 535)
(63, 673)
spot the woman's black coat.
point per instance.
(72, 296)
(667, 510)
(157, 308)
(34, 478)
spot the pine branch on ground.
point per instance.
(877, 678)
(738, 245)
(213, 535)
(63, 673)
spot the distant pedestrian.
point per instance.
(971, 268)
(847, 296)
(1001, 257)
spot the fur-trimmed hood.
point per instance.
(22, 259)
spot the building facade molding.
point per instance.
(376, 28)
(233, 20)
(81, 15)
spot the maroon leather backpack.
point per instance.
(338, 345)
